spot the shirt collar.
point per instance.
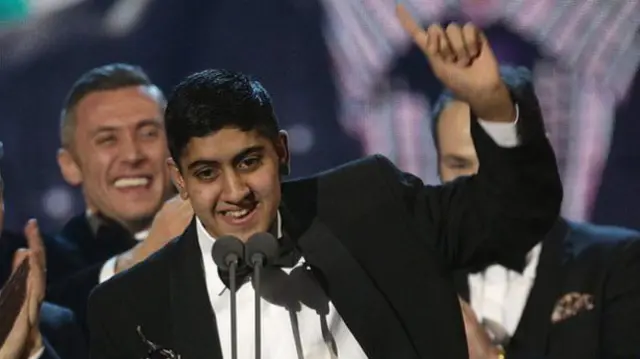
(95, 222)
(532, 261)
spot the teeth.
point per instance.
(131, 182)
(237, 214)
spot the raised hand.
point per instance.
(461, 58)
(172, 219)
(37, 275)
(15, 346)
(25, 338)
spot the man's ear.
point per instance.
(282, 149)
(177, 179)
(69, 167)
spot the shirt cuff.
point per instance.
(108, 270)
(503, 134)
(37, 354)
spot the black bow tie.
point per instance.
(516, 265)
(288, 257)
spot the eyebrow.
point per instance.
(149, 122)
(143, 123)
(236, 158)
(457, 158)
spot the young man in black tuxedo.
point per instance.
(575, 295)
(376, 244)
(41, 330)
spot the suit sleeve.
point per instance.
(500, 213)
(621, 310)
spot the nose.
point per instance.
(131, 151)
(234, 188)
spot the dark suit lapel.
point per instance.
(532, 333)
(461, 282)
(372, 322)
(195, 332)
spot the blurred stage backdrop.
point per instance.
(346, 81)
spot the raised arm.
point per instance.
(514, 199)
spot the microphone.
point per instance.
(312, 294)
(260, 250)
(228, 253)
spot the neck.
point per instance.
(96, 219)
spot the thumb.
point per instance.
(19, 256)
(34, 241)
(485, 47)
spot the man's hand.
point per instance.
(461, 58)
(172, 219)
(16, 343)
(25, 338)
(478, 341)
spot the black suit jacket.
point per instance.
(381, 243)
(80, 253)
(598, 261)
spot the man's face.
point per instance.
(457, 154)
(119, 155)
(233, 180)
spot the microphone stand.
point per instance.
(233, 287)
(227, 252)
(257, 267)
(260, 249)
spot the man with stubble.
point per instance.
(115, 150)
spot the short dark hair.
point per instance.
(208, 101)
(516, 79)
(103, 78)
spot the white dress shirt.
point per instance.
(498, 296)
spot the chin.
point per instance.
(138, 214)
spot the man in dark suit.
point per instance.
(377, 245)
(52, 333)
(575, 295)
(115, 149)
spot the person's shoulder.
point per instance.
(588, 239)
(370, 167)
(371, 162)
(595, 234)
